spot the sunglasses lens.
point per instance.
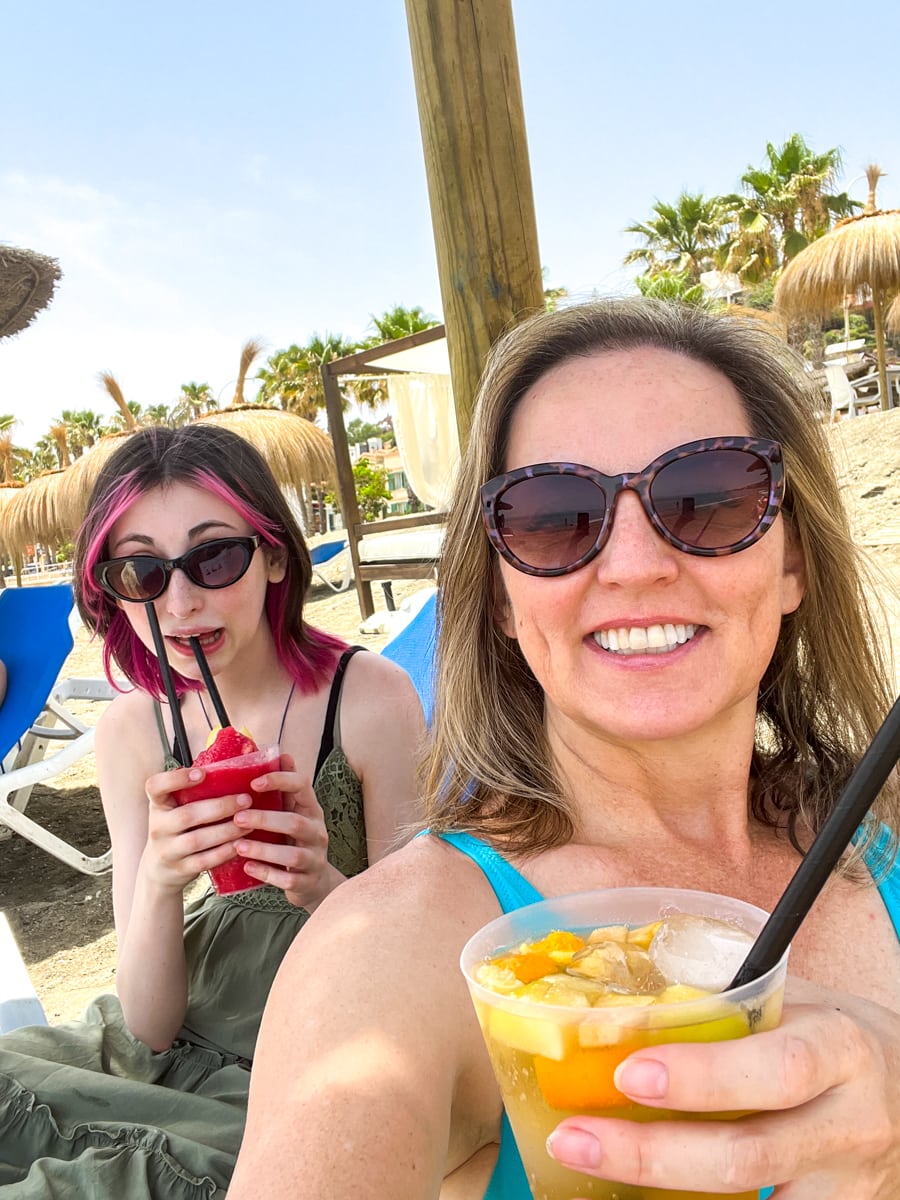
(712, 499)
(550, 521)
(217, 564)
(138, 578)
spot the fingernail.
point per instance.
(575, 1148)
(194, 775)
(242, 847)
(642, 1078)
(245, 801)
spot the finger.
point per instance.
(207, 812)
(297, 860)
(720, 1157)
(811, 1051)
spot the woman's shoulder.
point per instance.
(127, 719)
(377, 691)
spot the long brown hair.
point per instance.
(826, 688)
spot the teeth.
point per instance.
(640, 639)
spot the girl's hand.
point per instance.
(824, 1087)
(300, 866)
(185, 840)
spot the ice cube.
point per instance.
(618, 966)
(699, 951)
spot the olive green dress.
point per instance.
(87, 1110)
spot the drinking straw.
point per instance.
(169, 684)
(829, 844)
(210, 682)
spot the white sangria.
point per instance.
(566, 989)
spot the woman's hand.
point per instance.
(824, 1087)
(300, 865)
(185, 840)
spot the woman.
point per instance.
(146, 1096)
(672, 696)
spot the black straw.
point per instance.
(831, 841)
(169, 684)
(210, 682)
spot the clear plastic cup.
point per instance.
(554, 1061)
(229, 777)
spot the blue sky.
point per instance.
(206, 172)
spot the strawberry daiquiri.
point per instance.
(231, 761)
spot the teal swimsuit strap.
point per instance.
(510, 888)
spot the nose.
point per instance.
(181, 597)
(635, 554)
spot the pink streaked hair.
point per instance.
(308, 658)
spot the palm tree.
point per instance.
(128, 413)
(293, 377)
(670, 285)
(784, 206)
(158, 414)
(194, 399)
(85, 428)
(398, 322)
(681, 237)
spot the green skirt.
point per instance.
(88, 1110)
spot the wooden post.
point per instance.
(479, 182)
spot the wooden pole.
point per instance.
(479, 182)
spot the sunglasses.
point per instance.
(142, 577)
(712, 497)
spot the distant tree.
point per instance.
(360, 431)
(193, 399)
(681, 237)
(784, 205)
(372, 491)
(292, 377)
(398, 322)
(85, 428)
(158, 414)
(42, 458)
(670, 285)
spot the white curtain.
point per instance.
(425, 427)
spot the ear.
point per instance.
(276, 558)
(793, 578)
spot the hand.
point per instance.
(185, 840)
(824, 1087)
(300, 865)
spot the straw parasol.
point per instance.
(34, 514)
(860, 252)
(297, 451)
(892, 316)
(27, 283)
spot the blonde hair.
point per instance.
(825, 691)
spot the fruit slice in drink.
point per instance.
(231, 761)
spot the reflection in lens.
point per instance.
(138, 578)
(712, 499)
(551, 521)
(217, 566)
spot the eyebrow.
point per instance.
(195, 532)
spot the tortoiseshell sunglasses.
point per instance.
(711, 497)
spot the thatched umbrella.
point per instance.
(860, 252)
(892, 316)
(27, 282)
(34, 515)
(7, 492)
(297, 451)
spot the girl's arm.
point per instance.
(158, 849)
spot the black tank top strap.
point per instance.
(331, 734)
(171, 754)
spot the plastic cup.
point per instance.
(554, 1061)
(229, 777)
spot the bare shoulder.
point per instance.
(379, 703)
(128, 748)
(127, 718)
